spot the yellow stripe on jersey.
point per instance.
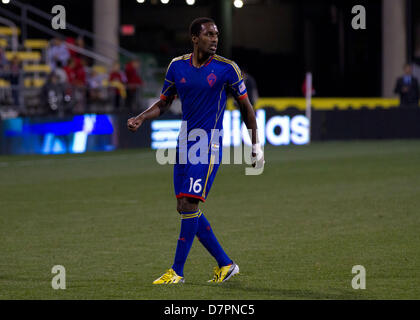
(209, 171)
(183, 57)
(235, 82)
(217, 114)
(233, 64)
(170, 86)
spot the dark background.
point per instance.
(313, 35)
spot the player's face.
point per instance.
(208, 39)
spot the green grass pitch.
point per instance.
(296, 231)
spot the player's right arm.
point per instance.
(159, 107)
(153, 112)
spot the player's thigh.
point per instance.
(198, 180)
(189, 180)
(180, 176)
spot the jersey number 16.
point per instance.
(195, 186)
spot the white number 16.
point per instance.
(196, 186)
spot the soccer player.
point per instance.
(201, 80)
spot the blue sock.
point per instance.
(208, 239)
(189, 225)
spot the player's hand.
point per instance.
(134, 123)
(257, 156)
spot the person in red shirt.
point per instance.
(79, 42)
(76, 76)
(69, 69)
(116, 76)
(79, 70)
(134, 82)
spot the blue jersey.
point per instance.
(203, 91)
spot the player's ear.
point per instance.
(194, 39)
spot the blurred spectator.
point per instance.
(134, 82)
(57, 51)
(95, 85)
(79, 42)
(71, 76)
(53, 93)
(76, 73)
(80, 92)
(70, 71)
(80, 73)
(76, 90)
(95, 80)
(61, 73)
(408, 89)
(117, 79)
(55, 88)
(15, 79)
(3, 63)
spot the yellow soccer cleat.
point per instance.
(225, 273)
(169, 277)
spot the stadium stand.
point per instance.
(81, 80)
(81, 84)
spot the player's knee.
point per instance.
(182, 206)
(186, 204)
(179, 207)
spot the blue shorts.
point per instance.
(195, 180)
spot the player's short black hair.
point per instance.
(195, 26)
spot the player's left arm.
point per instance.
(248, 116)
(237, 87)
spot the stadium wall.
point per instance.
(280, 121)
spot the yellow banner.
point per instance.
(281, 104)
